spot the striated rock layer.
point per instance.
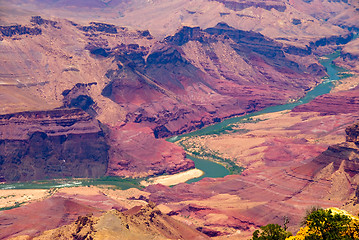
(190, 79)
(267, 195)
(51, 144)
(149, 156)
(333, 103)
(132, 82)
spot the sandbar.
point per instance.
(170, 180)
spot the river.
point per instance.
(210, 169)
(215, 170)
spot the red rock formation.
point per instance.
(333, 103)
(137, 223)
(267, 4)
(51, 144)
(53, 212)
(136, 152)
(352, 133)
(191, 79)
(9, 31)
(173, 91)
(271, 193)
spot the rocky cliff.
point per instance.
(10, 31)
(266, 195)
(51, 144)
(345, 155)
(184, 82)
(333, 103)
(132, 82)
(267, 5)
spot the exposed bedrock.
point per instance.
(51, 144)
(352, 133)
(135, 152)
(266, 195)
(267, 5)
(337, 40)
(79, 97)
(344, 155)
(350, 56)
(333, 103)
(190, 80)
(9, 31)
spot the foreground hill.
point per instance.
(136, 223)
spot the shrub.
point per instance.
(271, 232)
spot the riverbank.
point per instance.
(170, 180)
(224, 154)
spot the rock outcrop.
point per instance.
(267, 5)
(146, 222)
(136, 223)
(352, 133)
(172, 90)
(132, 82)
(343, 156)
(10, 31)
(51, 144)
(259, 197)
(149, 156)
(337, 40)
(333, 103)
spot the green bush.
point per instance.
(271, 232)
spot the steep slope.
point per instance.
(62, 207)
(51, 144)
(293, 21)
(267, 195)
(188, 80)
(131, 82)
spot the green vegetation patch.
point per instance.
(271, 232)
(345, 75)
(114, 182)
(17, 204)
(319, 224)
(198, 151)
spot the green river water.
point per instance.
(215, 170)
(210, 169)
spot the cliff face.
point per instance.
(132, 82)
(267, 5)
(345, 155)
(352, 133)
(333, 103)
(148, 156)
(197, 77)
(51, 144)
(10, 31)
(266, 194)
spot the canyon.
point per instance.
(126, 79)
(93, 88)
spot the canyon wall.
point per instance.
(51, 144)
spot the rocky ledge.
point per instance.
(135, 152)
(333, 103)
(51, 144)
(9, 31)
(267, 5)
(266, 195)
